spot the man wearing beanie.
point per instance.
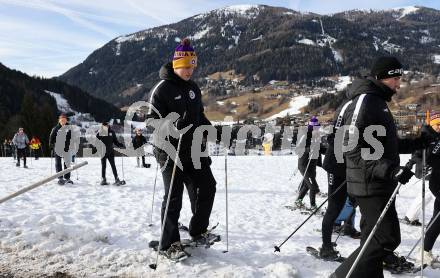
(307, 163)
(433, 161)
(371, 181)
(177, 93)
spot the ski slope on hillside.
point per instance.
(88, 230)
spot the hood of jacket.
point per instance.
(369, 85)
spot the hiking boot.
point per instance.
(25, 166)
(428, 258)
(117, 182)
(350, 231)
(69, 181)
(175, 252)
(104, 182)
(392, 262)
(328, 252)
(17, 164)
(61, 181)
(146, 165)
(299, 204)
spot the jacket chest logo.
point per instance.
(192, 95)
(178, 97)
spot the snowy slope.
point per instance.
(92, 231)
(294, 107)
(62, 103)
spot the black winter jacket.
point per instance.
(138, 141)
(108, 141)
(373, 177)
(173, 94)
(53, 137)
(433, 160)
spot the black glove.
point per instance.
(402, 174)
(183, 122)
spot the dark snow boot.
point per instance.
(117, 182)
(350, 231)
(396, 264)
(61, 181)
(69, 181)
(104, 182)
(328, 253)
(412, 223)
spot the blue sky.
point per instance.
(47, 37)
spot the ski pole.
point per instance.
(154, 192)
(370, 236)
(277, 248)
(345, 223)
(427, 228)
(226, 191)
(170, 190)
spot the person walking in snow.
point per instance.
(21, 142)
(433, 161)
(307, 163)
(176, 92)
(336, 176)
(108, 137)
(35, 145)
(371, 181)
(61, 127)
(138, 143)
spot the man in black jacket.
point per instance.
(373, 175)
(177, 93)
(108, 137)
(138, 142)
(62, 122)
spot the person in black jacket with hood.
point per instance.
(433, 161)
(336, 177)
(373, 175)
(62, 121)
(307, 163)
(138, 142)
(108, 137)
(177, 93)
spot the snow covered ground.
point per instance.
(294, 107)
(87, 230)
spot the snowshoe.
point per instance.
(206, 239)
(396, 265)
(69, 181)
(182, 227)
(61, 181)
(174, 253)
(411, 223)
(118, 182)
(315, 253)
(104, 182)
(299, 204)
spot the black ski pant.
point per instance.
(385, 240)
(59, 168)
(309, 181)
(335, 205)
(111, 160)
(21, 153)
(201, 187)
(433, 232)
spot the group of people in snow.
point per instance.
(366, 182)
(19, 147)
(357, 181)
